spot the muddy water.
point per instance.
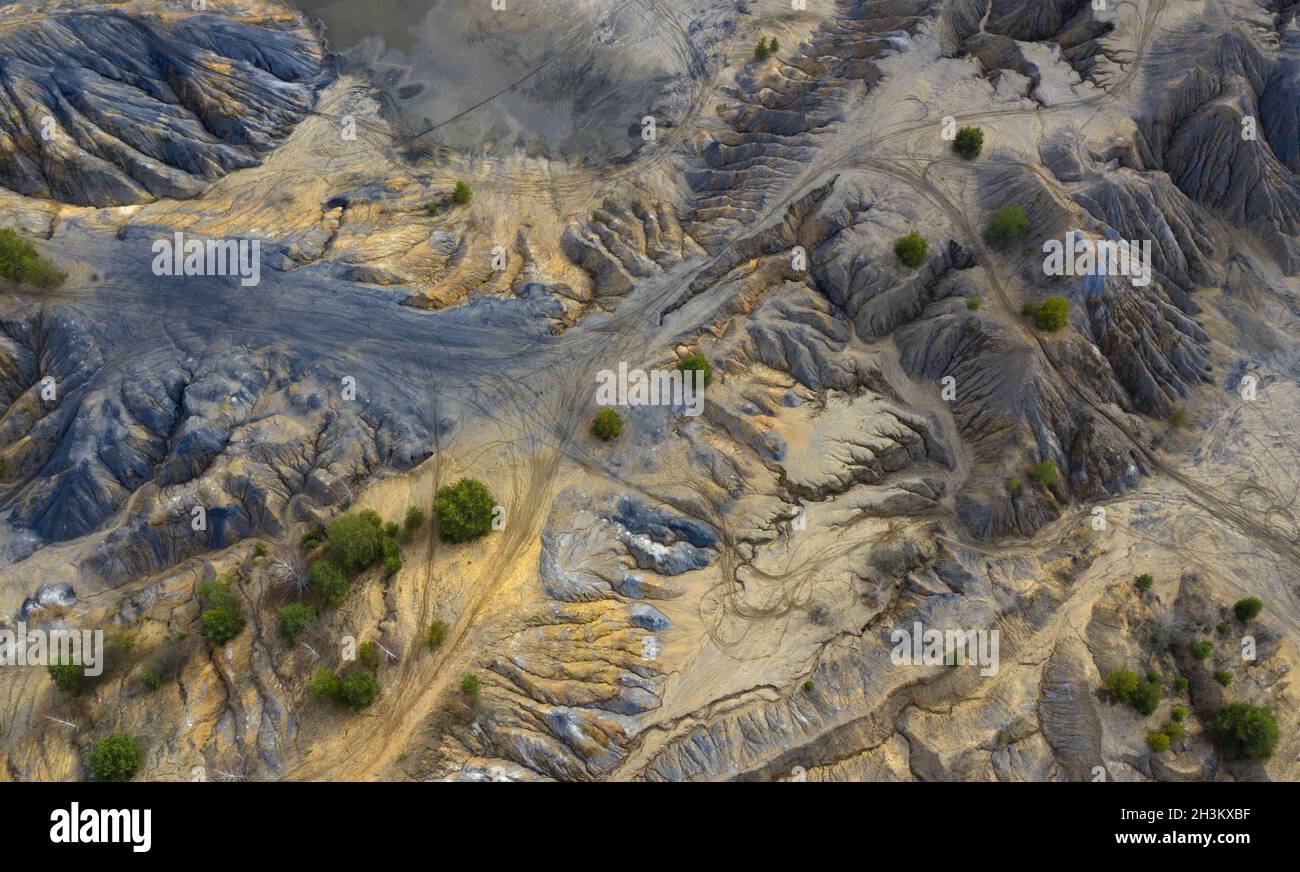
(564, 79)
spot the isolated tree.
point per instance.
(607, 424)
(696, 362)
(115, 758)
(1052, 314)
(1144, 581)
(1248, 609)
(912, 249)
(1245, 731)
(293, 619)
(968, 142)
(461, 194)
(437, 634)
(1006, 224)
(463, 510)
(761, 50)
(286, 568)
(469, 685)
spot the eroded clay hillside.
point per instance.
(1090, 469)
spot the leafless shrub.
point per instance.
(287, 569)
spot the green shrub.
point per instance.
(68, 677)
(1247, 609)
(1222, 628)
(324, 684)
(358, 690)
(1178, 713)
(463, 510)
(222, 619)
(469, 685)
(431, 207)
(912, 249)
(260, 549)
(1175, 731)
(969, 142)
(355, 541)
(1180, 684)
(115, 758)
(697, 362)
(1043, 474)
(974, 304)
(414, 518)
(461, 194)
(1158, 742)
(369, 654)
(293, 619)
(1223, 676)
(607, 424)
(1052, 314)
(20, 262)
(1245, 731)
(1146, 698)
(392, 563)
(1013, 486)
(328, 581)
(437, 634)
(1006, 224)
(391, 530)
(1121, 685)
(1178, 418)
(761, 50)
(151, 679)
(1202, 649)
(809, 686)
(1144, 581)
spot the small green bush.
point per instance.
(293, 619)
(358, 690)
(1223, 676)
(1178, 418)
(1144, 581)
(1175, 731)
(260, 549)
(1052, 314)
(437, 634)
(469, 685)
(461, 194)
(368, 653)
(969, 142)
(761, 51)
(1043, 474)
(1006, 224)
(1245, 731)
(1178, 713)
(1247, 609)
(1146, 699)
(1121, 685)
(324, 684)
(355, 541)
(414, 518)
(607, 424)
(115, 758)
(221, 619)
(20, 262)
(463, 510)
(1013, 487)
(912, 249)
(1180, 684)
(431, 207)
(697, 362)
(328, 581)
(68, 677)
(974, 304)
(1158, 742)
(392, 564)
(1222, 628)
(1202, 649)
(151, 679)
